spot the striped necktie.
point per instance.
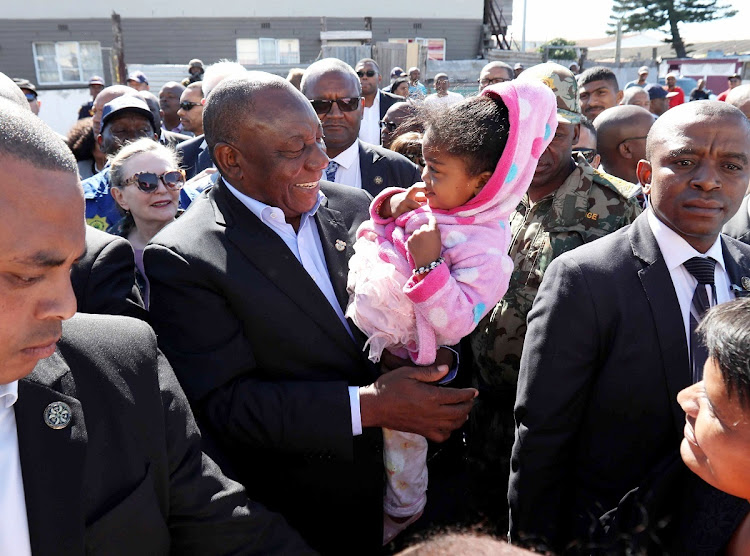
(702, 270)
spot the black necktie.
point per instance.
(702, 270)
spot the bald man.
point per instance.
(739, 97)
(621, 139)
(637, 96)
(739, 226)
(608, 345)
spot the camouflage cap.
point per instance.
(563, 83)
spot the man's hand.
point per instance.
(425, 244)
(404, 400)
(411, 199)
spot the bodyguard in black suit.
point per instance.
(99, 451)
(607, 349)
(370, 79)
(194, 156)
(739, 226)
(334, 91)
(248, 290)
(104, 278)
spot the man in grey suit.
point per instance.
(99, 452)
(609, 342)
(335, 92)
(277, 376)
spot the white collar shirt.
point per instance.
(348, 172)
(676, 251)
(14, 526)
(369, 129)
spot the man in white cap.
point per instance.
(642, 77)
(417, 91)
(679, 95)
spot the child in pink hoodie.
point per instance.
(432, 260)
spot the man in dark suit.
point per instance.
(335, 93)
(194, 156)
(248, 291)
(99, 452)
(608, 344)
(104, 277)
(739, 226)
(377, 102)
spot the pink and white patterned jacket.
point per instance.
(411, 317)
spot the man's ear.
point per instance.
(643, 171)
(99, 140)
(576, 134)
(620, 94)
(227, 162)
(624, 150)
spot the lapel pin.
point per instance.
(746, 283)
(378, 180)
(57, 415)
(340, 245)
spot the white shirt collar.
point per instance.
(8, 394)
(376, 104)
(350, 156)
(675, 249)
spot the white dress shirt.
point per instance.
(14, 526)
(306, 246)
(348, 172)
(676, 251)
(369, 129)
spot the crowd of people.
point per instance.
(328, 302)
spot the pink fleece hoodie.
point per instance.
(413, 318)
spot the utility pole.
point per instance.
(523, 29)
(618, 42)
(118, 50)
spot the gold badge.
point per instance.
(98, 222)
(340, 245)
(378, 180)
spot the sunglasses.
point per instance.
(368, 73)
(30, 96)
(148, 182)
(588, 154)
(323, 107)
(390, 126)
(186, 106)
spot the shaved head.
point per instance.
(327, 65)
(739, 97)
(689, 113)
(621, 139)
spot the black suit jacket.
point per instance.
(266, 362)
(193, 158)
(171, 138)
(127, 476)
(381, 168)
(104, 278)
(739, 226)
(604, 359)
(387, 100)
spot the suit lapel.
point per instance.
(738, 267)
(333, 236)
(369, 169)
(267, 252)
(666, 313)
(52, 461)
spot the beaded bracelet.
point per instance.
(432, 266)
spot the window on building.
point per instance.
(254, 52)
(435, 47)
(66, 61)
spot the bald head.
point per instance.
(234, 103)
(327, 66)
(689, 113)
(739, 97)
(621, 139)
(25, 137)
(106, 95)
(10, 91)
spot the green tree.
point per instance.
(559, 53)
(640, 15)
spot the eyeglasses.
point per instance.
(488, 82)
(323, 107)
(368, 73)
(148, 182)
(390, 126)
(588, 154)
(187, 106)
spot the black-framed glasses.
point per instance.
(488, 82)
(588, 154)
(390, 126)
(187, 106)
(148, 182)
(368, 73)
(323, 107)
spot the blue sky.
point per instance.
(576, 19)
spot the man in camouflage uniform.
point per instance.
(568, 204)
